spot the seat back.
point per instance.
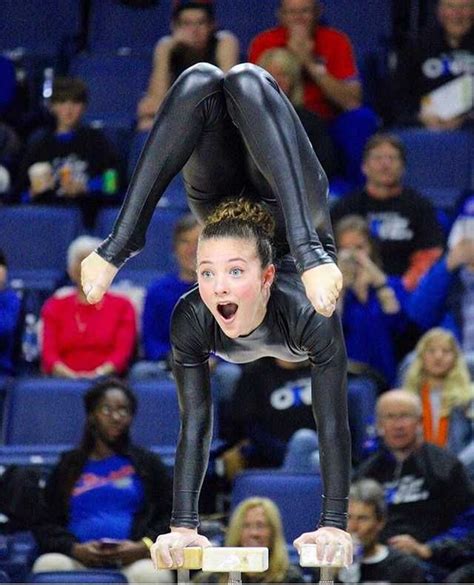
(157, 255)
(157, 420)
(298, 497)
(35, 239)
(443, 160)
(39, 29)
(246, 19)
(44, 410)
(89, 576)
(369, 26)
(115, 84)
(116, 27)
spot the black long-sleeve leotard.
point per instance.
(292, 331)
(231, 135)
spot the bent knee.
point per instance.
(246, 78)
(203, 75)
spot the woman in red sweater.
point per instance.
(82, 340)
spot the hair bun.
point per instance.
(244, 210)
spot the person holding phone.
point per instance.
(107, 500)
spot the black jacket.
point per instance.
(153, 518)
(424, 493)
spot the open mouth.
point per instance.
(227, 310)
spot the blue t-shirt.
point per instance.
(105, 499)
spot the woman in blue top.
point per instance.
(108, 499)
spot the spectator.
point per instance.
(445, 296)
(439, 375)
(80, 166)
(403, 223)
(163, 294)
(9, 152)
(272, 401)
(446, 554)
(370, 302)
(374, 561)
(426, 487)
(434, 58)
(194, 39)
(332, 88)
(107, 500)
(285, 68)
(257, 522)
(9, 317)
(82, 340)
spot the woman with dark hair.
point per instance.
(107, 500)
(233, 135)
(240, 313)
(194, 39)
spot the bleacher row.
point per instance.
(35, 238)
(44, 417)
(117, 43)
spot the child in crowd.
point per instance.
(72, 163)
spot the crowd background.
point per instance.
(80, 84)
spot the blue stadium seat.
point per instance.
(157, 255)
(44, 411)
(441, 160)
(35, 240)
(116, 27)
(298, 497)
(369, 26)
(246, 19)
(157, 419)
(39, 29)
(115, 84)
(89, 576)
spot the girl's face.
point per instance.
(438, 358)
(233, 285)
(256, 530)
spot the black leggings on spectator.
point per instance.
(231, 135)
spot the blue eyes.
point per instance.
(207, 274)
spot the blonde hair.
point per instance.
(457, 389)
(278, 556)
(291, 66)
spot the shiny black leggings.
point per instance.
(231, 135)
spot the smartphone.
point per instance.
(108, 543)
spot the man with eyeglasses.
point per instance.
(426, 487)
(332, 88)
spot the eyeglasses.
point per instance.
(121, 411)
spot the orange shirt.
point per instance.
(437, 436)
